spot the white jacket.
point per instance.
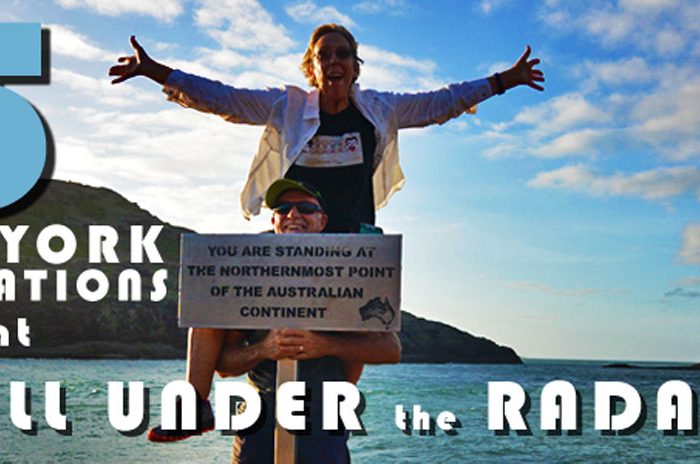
(291, 118)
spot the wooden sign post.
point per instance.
(285, 443)
(333, 282)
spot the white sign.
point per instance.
(336, 282)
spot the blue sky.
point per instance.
(564, 223)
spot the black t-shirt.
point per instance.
(338, 161)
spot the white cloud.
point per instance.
(624, 72)
(369, 7)
(642, 24)
(241, 70)
(242, 25)
(225, 59)
(200, 67)
(554, 16)
(575, 178)
(560, 127)
(215, 205)
(173, 162)
(562, 113)
(647, 110)
(669, 41)
(690, 17)
(279, 70)
(690, 250)
(652, 185)
(579, 143)
(165, 10)
(391, 59)
(386, 70)
(168, 135)
(489, 6)
(100, 90)
(164, 46)
(609, 26)
(309, 12)
(392, 7)
(668, 118)
(66, 42)
(661, 117)
(502, 150)
(649, 4)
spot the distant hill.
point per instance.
(689, 367)
(425, 341)
(112, 329)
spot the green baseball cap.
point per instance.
(280, 186)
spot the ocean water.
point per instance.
(461, 389)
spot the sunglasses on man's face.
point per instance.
(341, 53)
(303, 207)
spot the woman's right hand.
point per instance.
(139, 64)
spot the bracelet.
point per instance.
(499, 84)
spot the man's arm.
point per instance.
(237, 358)
(353, 348)
(361, 347)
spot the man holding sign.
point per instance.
(326, 356)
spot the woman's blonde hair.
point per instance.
(320, 31)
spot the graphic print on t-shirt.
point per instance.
(331, 151)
